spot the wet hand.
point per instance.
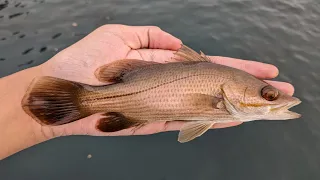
(79, 62)
(112, 42)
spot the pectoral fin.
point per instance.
(187, 54)
(113, 72)
(192, 130)
(204, 101)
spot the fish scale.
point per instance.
(193, 90)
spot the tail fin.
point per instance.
(54, 101)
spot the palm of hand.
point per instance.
(113, 42)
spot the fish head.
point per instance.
(252, 99)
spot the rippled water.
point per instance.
(286, 34)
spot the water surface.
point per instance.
(286, 34)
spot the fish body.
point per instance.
(163, 92)
(193, 89)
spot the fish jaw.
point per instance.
(283, 113)
(280, 112)
(276, 112)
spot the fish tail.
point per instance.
(54, 101)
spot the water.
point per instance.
(286, 34)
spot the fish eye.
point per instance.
(269, 93)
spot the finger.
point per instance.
(226, 125)
(88, 126)
(157, 127)
(137, 37)
(163, 56)
(157, 55)
(176, 125)
(258, 69)
(154, 38)
(282, 86)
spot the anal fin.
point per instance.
(114, 121)
(192, 130)
(114, 71)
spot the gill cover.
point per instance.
(244, 99)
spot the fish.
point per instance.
(192, 89)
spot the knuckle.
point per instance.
(107, 27)
(155, 28)
(244, 66)
(103, 27)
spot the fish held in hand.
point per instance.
(192, 89)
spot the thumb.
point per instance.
(138, 37)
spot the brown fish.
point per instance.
(193, 89)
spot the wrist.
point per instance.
(18, 130)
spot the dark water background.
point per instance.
(284, 33)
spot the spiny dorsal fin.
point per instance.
(192, 130)
(187, 54)
(114, 71)
(204, 56)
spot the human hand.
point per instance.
(112, 42)
(79, 62)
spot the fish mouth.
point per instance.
(294, 103)
(284, 112)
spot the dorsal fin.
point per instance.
(187, 54)
(114, 71)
